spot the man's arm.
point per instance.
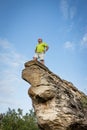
(47, 47)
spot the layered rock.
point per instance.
(57, 102)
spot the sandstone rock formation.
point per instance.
(57, 103)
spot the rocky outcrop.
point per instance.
(58, 104)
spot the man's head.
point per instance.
(39, 40)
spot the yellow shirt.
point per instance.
(41, 47)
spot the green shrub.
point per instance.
(84, 102)
(13, 120)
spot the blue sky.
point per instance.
(62, 24)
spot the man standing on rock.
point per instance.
(40, 50)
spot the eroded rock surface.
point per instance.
(57, 102)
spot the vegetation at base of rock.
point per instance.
(84, 102)
(13, 120)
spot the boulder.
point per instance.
(57, 103)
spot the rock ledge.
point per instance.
(57, 102)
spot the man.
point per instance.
(40, 50)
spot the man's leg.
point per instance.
(35, 57)
(42, 61)
(41, 55)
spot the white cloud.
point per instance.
(67, 10)
(4, 44)
(11, 65)
(72, 12)
(64, 8)
(8, 55)
(8, 102)
(69, 45)
(84, 41)
(8, 81)
(81, 45)
(13, 90)
(70, 27)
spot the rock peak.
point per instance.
(57, 102)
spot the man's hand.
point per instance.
(47, 48)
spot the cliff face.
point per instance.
(57, 102)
